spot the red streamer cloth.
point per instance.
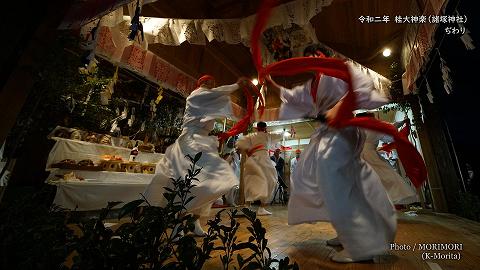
(411, 159)
(285, 148)
(255, 149)
(404, 132)
(242, 125)
(388, 147)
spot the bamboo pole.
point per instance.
(243, 158)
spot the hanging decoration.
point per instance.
(136, 25)
(422, 114)
(293, 17)
(293, 132)
(89, 44)
(104, 97)
(278, 42)
(114, 126)
(466, 38)
(131, 120)
(159, 97)
(153, 109)
(87, 99)
(70, 103)
(429, 91)
(145, 93)
(124, 114)
(103, 124)
(106, 94)
(447, 81)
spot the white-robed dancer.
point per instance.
(260, 176)
(331, 181)
(232, 196)
(398, 189)
(203, 106)
(293, 163)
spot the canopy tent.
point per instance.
(360, 40)
(172, 54)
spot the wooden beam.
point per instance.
(222, 59)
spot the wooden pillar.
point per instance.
(442, 178)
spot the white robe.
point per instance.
(260, 176)
(203, 106)
(232, 196)
(331, 181)
(293, 166)
(236, 164)
(398, 189)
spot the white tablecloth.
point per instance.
(79, 150)
(97, 189)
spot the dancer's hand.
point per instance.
(332, 113)
(244, 81)
(269, 79)
(272, 87)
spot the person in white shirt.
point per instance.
(398, 189)
(293, 163)
(260, 176)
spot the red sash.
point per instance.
(411, 159)
(255, 149)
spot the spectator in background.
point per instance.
(279, 165)
(294, 161)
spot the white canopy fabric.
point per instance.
(111, 41)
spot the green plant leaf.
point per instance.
(110, 205)
(169, 266)
(188, 200)
(250, 246)
(197, 157)
(240, 260)
(129, 208)
(253, 266)
(168, 189)
(189, 157)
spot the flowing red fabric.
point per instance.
(411, 159)
(255, 149)
(242, 125)
(404, 132)
(388, 147)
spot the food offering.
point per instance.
(111, 163)
(70, 164)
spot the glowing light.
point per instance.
(387, 52)
(255, 81)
